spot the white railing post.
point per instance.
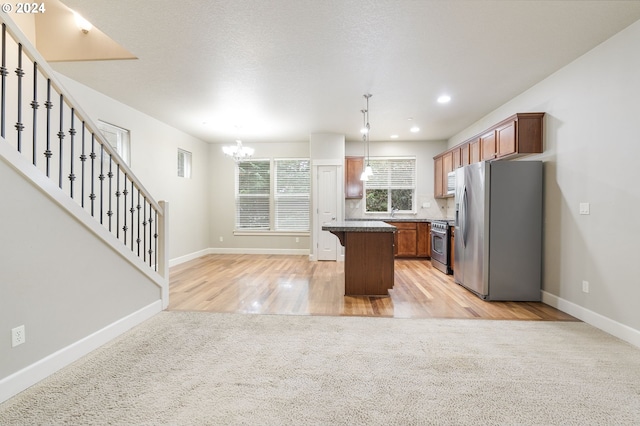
(163, 251)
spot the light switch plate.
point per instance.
(584, 208)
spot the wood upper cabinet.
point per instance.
(488, 146)
(464, 154)
(474, 151)
(517, 135)
(353, 168)
(438, 182)
(456, 155)
(506, 139)
(411, 239)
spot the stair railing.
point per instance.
(43, 122)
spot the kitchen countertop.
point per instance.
(401, 219)
(358, 226)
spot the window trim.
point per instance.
(389, 204)
(272, 188)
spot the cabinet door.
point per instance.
(474, 151)
(506, 142)
(437, 178)
(424, 240)
(456, 157)
(406, 239)
(464, 154)
(353, 169)
(488, 146)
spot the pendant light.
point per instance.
(366, 129)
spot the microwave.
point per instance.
(451, 183)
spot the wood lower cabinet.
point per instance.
(412, 239)
(353, 168)
(424, 239)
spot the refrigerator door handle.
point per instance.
(465, 228)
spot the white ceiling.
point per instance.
(278, 70)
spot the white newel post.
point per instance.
(163, 251)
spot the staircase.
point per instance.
(106, 268)
(41, 121)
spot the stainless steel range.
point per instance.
(440, 246)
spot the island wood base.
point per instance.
(369, 259)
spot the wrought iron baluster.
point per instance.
(48, 104)
(118, 203)
(92, 196)
(110, 176)
(83, 159)
(155, 236)
(124, 193)
(132, 210)
(151, 211)
(101, 177)
(72, 133)
(61, 138)
(138, 207)
(20, 74)
(4, 72)
(144, 231)
(34, 106)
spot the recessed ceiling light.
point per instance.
(394, 136)
(444, 99)
(415, 129)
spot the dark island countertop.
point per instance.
(358, 226)
(402, 219)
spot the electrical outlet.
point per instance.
(584, 208)
(18, 336)
(297, 240)
(585, 286)
(221, 239)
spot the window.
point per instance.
(118, 138)
(184, 163)
(292, 188)
(392, 185)
(273, 195)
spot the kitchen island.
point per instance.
(368, 256)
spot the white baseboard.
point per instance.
(28, 376)
(224, 250)
(188, 257)
(605, 324)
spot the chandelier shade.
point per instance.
(238, 151)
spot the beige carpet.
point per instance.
(200, 368)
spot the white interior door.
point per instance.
(327, 211)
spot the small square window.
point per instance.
(118, 138)
(184, 163)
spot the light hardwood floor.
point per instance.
(292, 285)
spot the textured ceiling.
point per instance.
(278, 70)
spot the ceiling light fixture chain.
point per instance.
(368, 171)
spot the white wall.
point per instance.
(222, 196)
(61, 292)
(592, 154)
(154, 150)
(423, 151)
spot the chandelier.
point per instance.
(238, 152)
(366, 129)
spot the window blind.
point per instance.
(392, 173)
(253, 188)
(292, 194)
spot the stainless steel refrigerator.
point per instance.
(498, 230)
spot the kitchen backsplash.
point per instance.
(427, 208)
